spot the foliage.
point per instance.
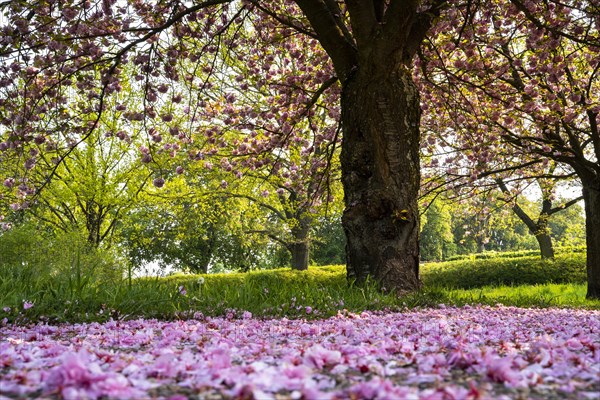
(525, 270)
(568, 227)
(91, 190)
(329, 242)
(193, 229)
(43, 266)
(437, 238)
(516, 96)
(484, 223)
(565, 250)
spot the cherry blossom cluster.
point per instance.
(225, 83)
(516, 84)
(442, 353)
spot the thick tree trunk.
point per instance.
(380, 121)
(299, 249)
(591, 197)
(380, 174)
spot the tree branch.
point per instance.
(548, 27)
(341, 52)
(260, 203)
(363, 20)
(565, 206)
(421, 26)
(270, 235)
(283, 21)
(533, 227)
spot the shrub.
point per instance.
(524, 270)
(36, 264)
(515, 254)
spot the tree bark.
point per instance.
(300, 255)
(546, 248)
(93, 223)
(591, 198)
(542, 230)
(380, 175)
(299, 248)
(380, 121)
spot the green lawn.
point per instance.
(318, 292)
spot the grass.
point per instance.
(544, 295)
(318, 292)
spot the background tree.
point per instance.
(525, 75)
(437, 239)
(329, 245)
(540, 227)
(91, 190)
(190, 233)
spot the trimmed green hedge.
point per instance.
(524, 270)
(515, 254)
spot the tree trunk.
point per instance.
(380, 175)
(591, 198)
(538, 229)
(93, 222)
(300, 255)
(545, 242)
(542, 233)
(299, 248)
(480, 246)
(380, 120)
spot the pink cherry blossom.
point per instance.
(438, 353)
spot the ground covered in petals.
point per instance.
(441, 353)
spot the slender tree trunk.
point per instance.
(93, 224)
(380, 174)
(591, 198)
(542, 235)
(480, 246)
(299, 249)
(546, 248)
(542, 230)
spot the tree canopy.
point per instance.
(249, 86)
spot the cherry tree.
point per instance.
(522, 78)
(53, 49)
(539, 226)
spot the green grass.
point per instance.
(544, 295)
(523, 282)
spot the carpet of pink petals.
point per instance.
(442, 353)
